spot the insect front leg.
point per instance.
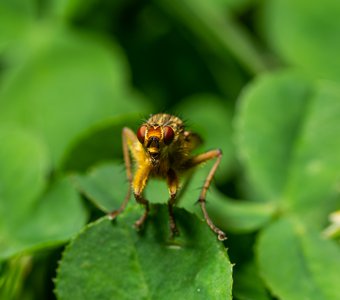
(138, 185)
(172, 181)
(129, 140)
(201, 158)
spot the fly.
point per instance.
(162, 148)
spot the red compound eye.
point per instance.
(141, 133)
(168, 135)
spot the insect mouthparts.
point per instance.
(153, 142)
(154, 155)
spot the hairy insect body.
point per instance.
(162, 148)
(155, 155)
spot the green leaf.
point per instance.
(24, 166)
(239, 216)
(213, 123)
(297, 263)
(100, 186)
(292, 157)
(265, 135)
(305, 34)
(105, 185)
(15, 17)
(41, 226)
(29, 218)
(111, 260)
(100, 143)
(230, 215)
(248, 284)
(313, 187)
(67, 82)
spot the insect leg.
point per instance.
(201, 158)
(129, 139)
(138, 186)
(172, 181)
(139, 198)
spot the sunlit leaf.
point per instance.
(305, 34)
(269, 119)
(296, 263)
(112, 260)
(287, 138)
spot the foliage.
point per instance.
(258, 79)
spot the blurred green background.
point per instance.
(73, 73)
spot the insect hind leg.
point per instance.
(197, 160)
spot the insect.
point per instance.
(162, 148)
